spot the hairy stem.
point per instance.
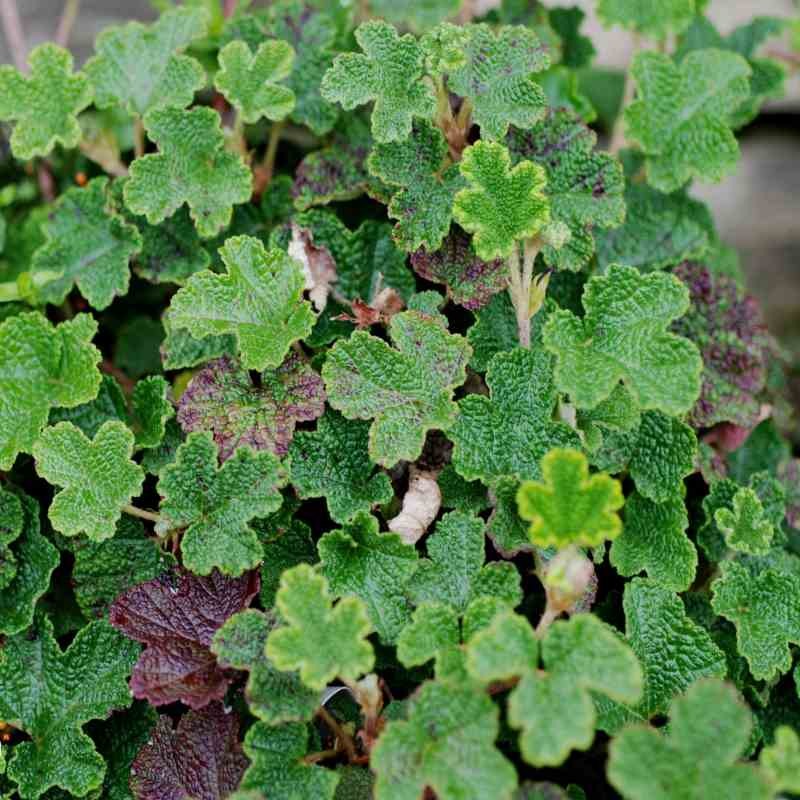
(67, 21)
(517, 293)
(150, 516)
(343, 739)
(268, 164)
(549, 616)
(12, 27)
(322, 755)
(618, 133)
(138, 137)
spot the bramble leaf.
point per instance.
(424, 181)
(143, 67)
(151, 409)
(623, 337)
(200, 757)
(323, 641)
(501, 205)
(570, 506)
(584, 188)
(250, 81)
(407, 388)
(680, 118)
(498, 78)
(333, 462)
(89, 244)
(765, 608)
(222, 399)
(216, 505)
(98, 477)
(510, 431)
(506, 649)
(358, 560)
(259, 300)
(390, 72)
(50, 694)
(446, 743)
(654, 540)
(42, 367)
(433, 629)
(45, 104)
(709, 730)
(780, 761)
(672, 16)
(175, 616)
(746, 527)
(191, 167)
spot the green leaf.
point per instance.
(191, 167)
(506, 649)
(375, 567)
(765, 608)
(180, 349)
(780, 761)
(498, 78)
(577, 50)
(623, 337)
(390, 72)
(709, 730)
(276, 754)
(584, 188)
(447, 744)
(12, 523)
(333, 462)
(424, 182)
(680, 118)
(142, 67)
(495, 330)
(250, 82)
(259, 300)
(216, 505)
(570, 506)
(454, 572)
(323, 641)
(470, 497)
(654, 540)
(417, 15)
(152, 410)
(45, 105)
(407, 388)
(501, 205)
(51, 694)
(271, 695)
(433, 629)
(746, 527)
(672, 16)
(97, 475)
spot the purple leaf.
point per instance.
(176, 616)
(222, 399)
(201, 759)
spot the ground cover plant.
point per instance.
(370, 428)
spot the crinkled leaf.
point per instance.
(45, 104)
(424, 184)
(709, 730)
(358, 560)
(201, 757)
(654, 540)
(584, 187)
(746, 527)
(498, 78)
(501, 205)
(12, 523)
(41, 367)
(507, 648)
(109, 404)
(175, 616)
(577, 50)
(50, 694)
(215, 505)
(470, 497)
(495, 330)
(780, 761)
(506, 529)
(623, 337)
(251, 81)
(447, 744)
(765, 608)
(137, 349)
(407, 388)
(508, 433)
(191, 167)
(681, 115)
(390, 72)
(433, 629)
(323, 641)
(570, 506)
(143, 67)
(98, 477)
(642, 16)
(180, 349)
(151, 410)
(259, 300)
(418, 14)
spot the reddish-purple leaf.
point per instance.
(728, 328)
(222, 399)
(176, 616)
(201, 759)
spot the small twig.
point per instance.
(549, 616)
(125, 382)
(628, 93)
(15, 36)
(342, 737)
(150, 516)
(47, 184)
(322, 755)
(138, 137)
(272, 151)
(67, 21)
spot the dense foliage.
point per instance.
(367, 430)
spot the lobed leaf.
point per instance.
(672, 16)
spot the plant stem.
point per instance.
(138, 137)
(229, 8)
(67, 21)
(150, 516)
(618, 133)
(322, 755)
(549, 616)
(520, 288)
(268, 164)
(343, 739)
(12, 27)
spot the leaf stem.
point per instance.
(268, 164)
(520, 288)
(67, 21)
(549, 616)
(628, 93)
(138, 137)
(15, 36)
(150, 516)
(343, 739)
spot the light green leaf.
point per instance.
(746, 527)
(644, 17)
(433, 629)
(152, 410)
(259, 300)
(780, 761)
(506, 649)
(418, 14)
(323, 641)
